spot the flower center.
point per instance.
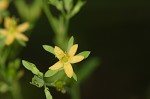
(65, 59)
(12, 26)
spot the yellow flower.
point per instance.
(3, 4)
(13, 31)
(66, 59)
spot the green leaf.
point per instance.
(70, 43)
(77, 8)
(32, 68)
(87, 68)
(59, 5)
(74, 77)
(29, 12)
(17, 63)
(22, 8)
(47, 93)
(37, 81)
(5, 13)
(68, 4)
(3, 87)
(85, 53)
(2, 41)
(35, 10)
(22, 43)
(50, 73)
(49, 49)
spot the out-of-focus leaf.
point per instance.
(11, 72)
(68, 4)
(75, 77)
(37, 81)
(22, 43)
(4, 13)
(13, 69)
(3, 87)
(36, 9)
(57, 3)
(47, 93)
(32, 68)
(87, 68)
(17, 63)
(19, 74)
(49, 49)
(50, 73)
(29, 12)
(2, 41)
(70, 43)
(85, 54)
(77, 8)
(22, 8)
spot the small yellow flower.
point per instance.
(66, 59)
(13, 31)
(3, 4)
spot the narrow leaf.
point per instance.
(74, 77)
(77, 8)
(85, 53)
(49, 48)
(32, 68)
(68, 4)
(27, 65)
(2, 41)
(22, 43)
(70, 43)
(50, 73)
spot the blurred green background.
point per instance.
(116, 31)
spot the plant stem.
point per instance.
(49, 15)
(16, 90)
(60, 26)
(75, 91)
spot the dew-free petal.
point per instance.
(76, 59)
(68, 69)
(59, 52)
(73, 50)
(56, 66)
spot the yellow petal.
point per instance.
(21, 37)
(56, 66)
(3, 32)
(76, 59)
(23, 27)
(58, 52)
(73, 50)
(9, 39)
(7, 22)
(68, 69)
(3, 4)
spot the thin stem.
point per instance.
(49, 15)
(75, 91)
(16, 90)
